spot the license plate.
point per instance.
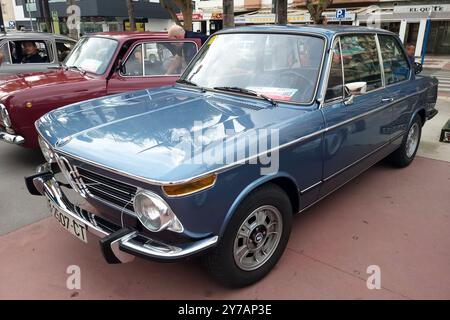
(78, 229)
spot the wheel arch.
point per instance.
(283, 180)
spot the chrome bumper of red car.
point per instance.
(11, 138)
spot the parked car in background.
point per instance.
(51, 50)
(218, 164)
(99, 65)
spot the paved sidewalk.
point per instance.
(396, 219)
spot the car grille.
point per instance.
(111, 191)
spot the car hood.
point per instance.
(162, 134)
(10, 83)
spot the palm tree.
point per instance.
(281, 12)
(316, 7)
(46, 15)
(131, 15)
(228, 13)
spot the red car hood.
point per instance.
(11, 83)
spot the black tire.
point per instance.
(400, 157)
(221, 262)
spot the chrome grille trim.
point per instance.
(111, 192)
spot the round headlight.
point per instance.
(154, 213)
(4, 117)
(46, 151)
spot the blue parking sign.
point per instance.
(341, 13)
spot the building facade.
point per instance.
(14, 15)
(407, 18)
(104, 15)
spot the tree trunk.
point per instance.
(131, 15)
(73, 32)
(171, 12)
(281, 12)
(228, 13)
(187, 15)
(46, 12)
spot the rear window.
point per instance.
(396, 67)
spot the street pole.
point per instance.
(427, 34)
(2, 23)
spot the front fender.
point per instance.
(249, 189)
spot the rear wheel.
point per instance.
(406, 153)
(254, 240)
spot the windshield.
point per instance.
(92, 54)
(282, 67)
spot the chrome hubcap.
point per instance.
(257, 238)
(412, 140)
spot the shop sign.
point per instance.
(422, 8)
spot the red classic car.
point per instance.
(99, 65)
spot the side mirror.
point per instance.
(353, 89)
(417, 67)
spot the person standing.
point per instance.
(183, 52)
(410, 51)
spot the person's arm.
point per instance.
(174, 65)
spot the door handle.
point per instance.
(387, 99)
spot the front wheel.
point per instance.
(254, 240)
(405, 154)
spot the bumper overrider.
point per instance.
(118, 244)
(6, 132)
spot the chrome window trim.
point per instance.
(138, 43)
(231, 165)
(381, 62)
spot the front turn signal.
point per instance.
(183, 189)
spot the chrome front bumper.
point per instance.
(11, 138)
(122, 245)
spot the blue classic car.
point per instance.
(264, 122)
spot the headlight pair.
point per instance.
(154, 213)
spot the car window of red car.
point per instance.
(158, 58)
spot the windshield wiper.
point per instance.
(248, 92)
(78, 68)
(190, 83)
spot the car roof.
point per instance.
(24, 35)
(328, 30)
(129, 35)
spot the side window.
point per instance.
(5, 57)
(335, 88)
(134, 66)
(396, 67)
(30, 51)
(159, 58)
(63, 48)
(168, 58)
(361, 63)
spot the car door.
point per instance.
(152, 64)
(354, 120)
(399, 86)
